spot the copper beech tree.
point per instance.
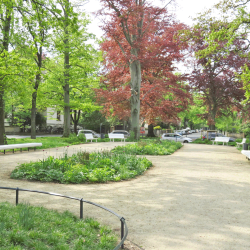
(141, 44)
(216, 75)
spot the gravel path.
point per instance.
(195, 199)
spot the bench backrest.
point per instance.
(116, 136)
(89, 136)
(222, 139)
(244, 140)
(22, 145)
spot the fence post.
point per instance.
(81, 208)
(17, 193)
(122, 230)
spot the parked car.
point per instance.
(211, 136)
(175, 137)
(126, 133)
(88, 131)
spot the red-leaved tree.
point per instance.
(140, 47)
(215, 76)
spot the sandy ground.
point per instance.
(197, 198)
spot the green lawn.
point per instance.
(28, 227)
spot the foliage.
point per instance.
(214, 76)
(210, 142)
(83, 167)
(140, 47)
(149, 147)
(157, 127)
(29, 227)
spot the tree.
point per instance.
(5, 27)
(83, 68)
(31, 40)
(214, 76)
(235, 14)
(140, 46)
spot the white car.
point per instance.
(88, 131)
(126, 133)
(175, 137)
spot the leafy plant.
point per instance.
(83, 167)
(149, 147)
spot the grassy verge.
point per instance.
(149, 147)
(28, 227)
(83, 167)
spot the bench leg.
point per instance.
(13, 151)
(4, 151)
(21, 150)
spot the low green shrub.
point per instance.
(149, 147)
(83, 167)
(210, 142)
(29, 227)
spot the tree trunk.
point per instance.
(5, 39)
(151, 131)
(75, 119)
(135, 72)
(66, 130)
(2, 128)
(33, 116)
(34, 97)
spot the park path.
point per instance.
(195, 199)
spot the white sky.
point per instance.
(184, 10)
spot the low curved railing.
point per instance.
(124, 228)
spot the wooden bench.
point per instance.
(241, 143)
(116, 136)
(21, 146)
(246, 153)
(90, 137)
(221, 139)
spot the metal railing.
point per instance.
(124, 228)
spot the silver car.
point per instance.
(175, 137)
(88, 131)
(126, 133)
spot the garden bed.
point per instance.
(149, 147)
(83, 167)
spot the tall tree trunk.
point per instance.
(135, 72)
(33, 108)
(66, 130)
(151, 131)
(2, 129)
(5, 47)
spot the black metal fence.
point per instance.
(124, 228)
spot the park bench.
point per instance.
(116, 136)
(241, 143)
(90, 137)
(246, 153)
(21, 146)
(221, 139)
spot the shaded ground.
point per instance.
(197, 198)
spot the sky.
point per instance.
(184, 11)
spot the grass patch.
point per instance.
(28, 227)
(149, 147)
(83, 167)
(50, 142)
